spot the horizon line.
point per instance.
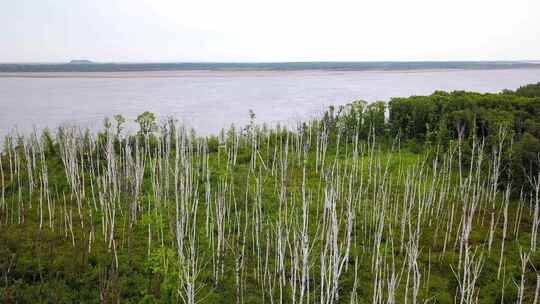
(90, 61)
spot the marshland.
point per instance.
(424, 199)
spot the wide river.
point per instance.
(211, 100)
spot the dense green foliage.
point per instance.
(530, 90)
(378, 203)
(444, 117)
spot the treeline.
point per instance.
(443, 117)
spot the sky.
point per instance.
(270, 30)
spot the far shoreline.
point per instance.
(234, 73)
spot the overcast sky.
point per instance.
(270, 30)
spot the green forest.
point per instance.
(423, 199)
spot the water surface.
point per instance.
(210, 100)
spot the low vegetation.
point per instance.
(426, 199)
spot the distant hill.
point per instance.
(80, 61)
